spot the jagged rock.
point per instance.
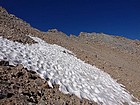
(53, 30)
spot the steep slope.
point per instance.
(60, 67)
(22, 87)
(121, 63)
(116, 42)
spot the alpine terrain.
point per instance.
(51, 68)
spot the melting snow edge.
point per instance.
(63, 68)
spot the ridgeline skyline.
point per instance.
(114, 17)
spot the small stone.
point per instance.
(19, 67)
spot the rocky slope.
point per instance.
(118, 56)
(21, 87)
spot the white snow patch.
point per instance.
(63, 68)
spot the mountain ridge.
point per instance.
(122, 64)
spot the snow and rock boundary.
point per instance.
(61, 67)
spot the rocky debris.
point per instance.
(21, 87)
(14, 28)
(118, 56)
(115, 42)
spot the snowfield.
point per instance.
(60, 66)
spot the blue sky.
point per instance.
(116, 17)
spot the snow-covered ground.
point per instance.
(61, 66)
